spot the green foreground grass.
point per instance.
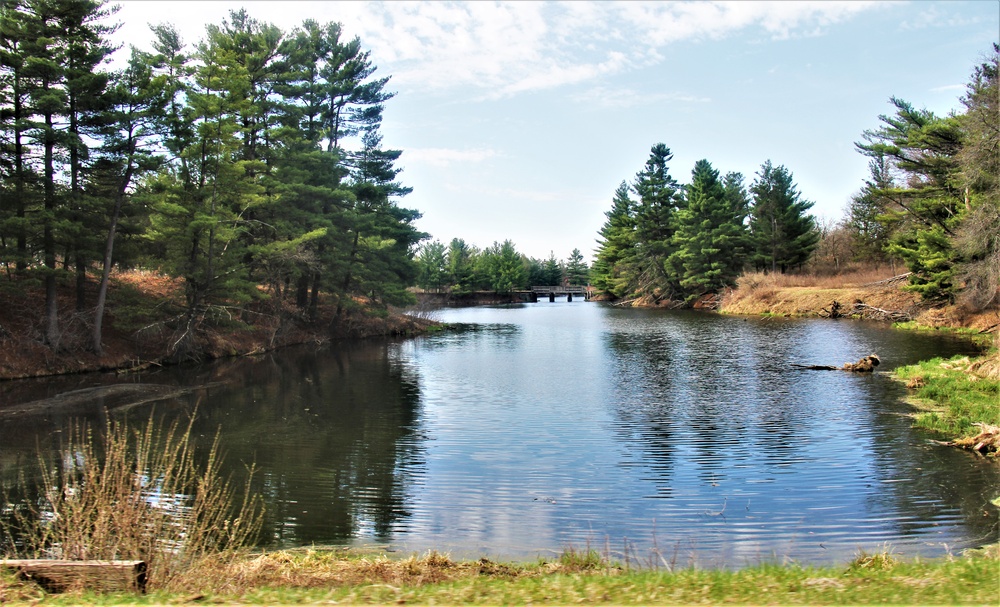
(312, 577)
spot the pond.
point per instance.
(673, 437)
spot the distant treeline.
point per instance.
(462, 268)
(224, 163)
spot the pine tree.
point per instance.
(783, 235)
(866, 220)
(461, 265)
(577, 273)
(615, 245)
(18, 185)
(136, 105)
(503, 268)
(553, 274)
(709, 236)
(432, 266)
(659, 195)
(926, 212)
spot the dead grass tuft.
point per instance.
(14, 591)
(882, 560)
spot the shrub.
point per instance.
(135, 495)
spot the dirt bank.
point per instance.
(762, 295)
(143, 320)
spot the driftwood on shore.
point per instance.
(865, 365)
(889, 281)
(859, 309)
(60, 576)
(987, 441)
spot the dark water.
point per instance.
(536, 428)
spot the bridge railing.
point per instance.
(559, 289)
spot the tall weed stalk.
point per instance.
(135, 494)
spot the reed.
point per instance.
(134, 494)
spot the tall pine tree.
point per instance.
(615, 245)
(709, 237)
(782, 233)
(659, 195)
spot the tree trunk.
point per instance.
(302, 292)
(48, 239)
(102, 576)
(102, 291)
(81, 283)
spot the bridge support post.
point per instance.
(552, 297)
(569, 298)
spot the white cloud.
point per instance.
(934, 17)
(499, 49)
(948, 88)
(607, 98)
(502, 49)
(442, 157)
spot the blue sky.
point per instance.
(519, 120)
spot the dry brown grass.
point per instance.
(134, 495)
(14, 591)
(854, 278)
(309, 568)
(792, 295)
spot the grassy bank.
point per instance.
(314, 577)
(958, 398)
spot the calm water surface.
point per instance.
(531, 429)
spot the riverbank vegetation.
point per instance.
(958, 398)
(124, 493)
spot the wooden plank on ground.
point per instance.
(59, 576)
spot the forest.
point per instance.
(248, 165)
(931, 204)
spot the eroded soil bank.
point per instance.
(144, 319)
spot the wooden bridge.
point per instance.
(568, 291)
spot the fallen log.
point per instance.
(865, 365)
(59, 576)
(860, 309)
(871, 312)
(987, 441)
(889, 281)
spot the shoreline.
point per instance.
(127, 348)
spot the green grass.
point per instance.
(318, 577)
(952, 399)
(977, 337)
